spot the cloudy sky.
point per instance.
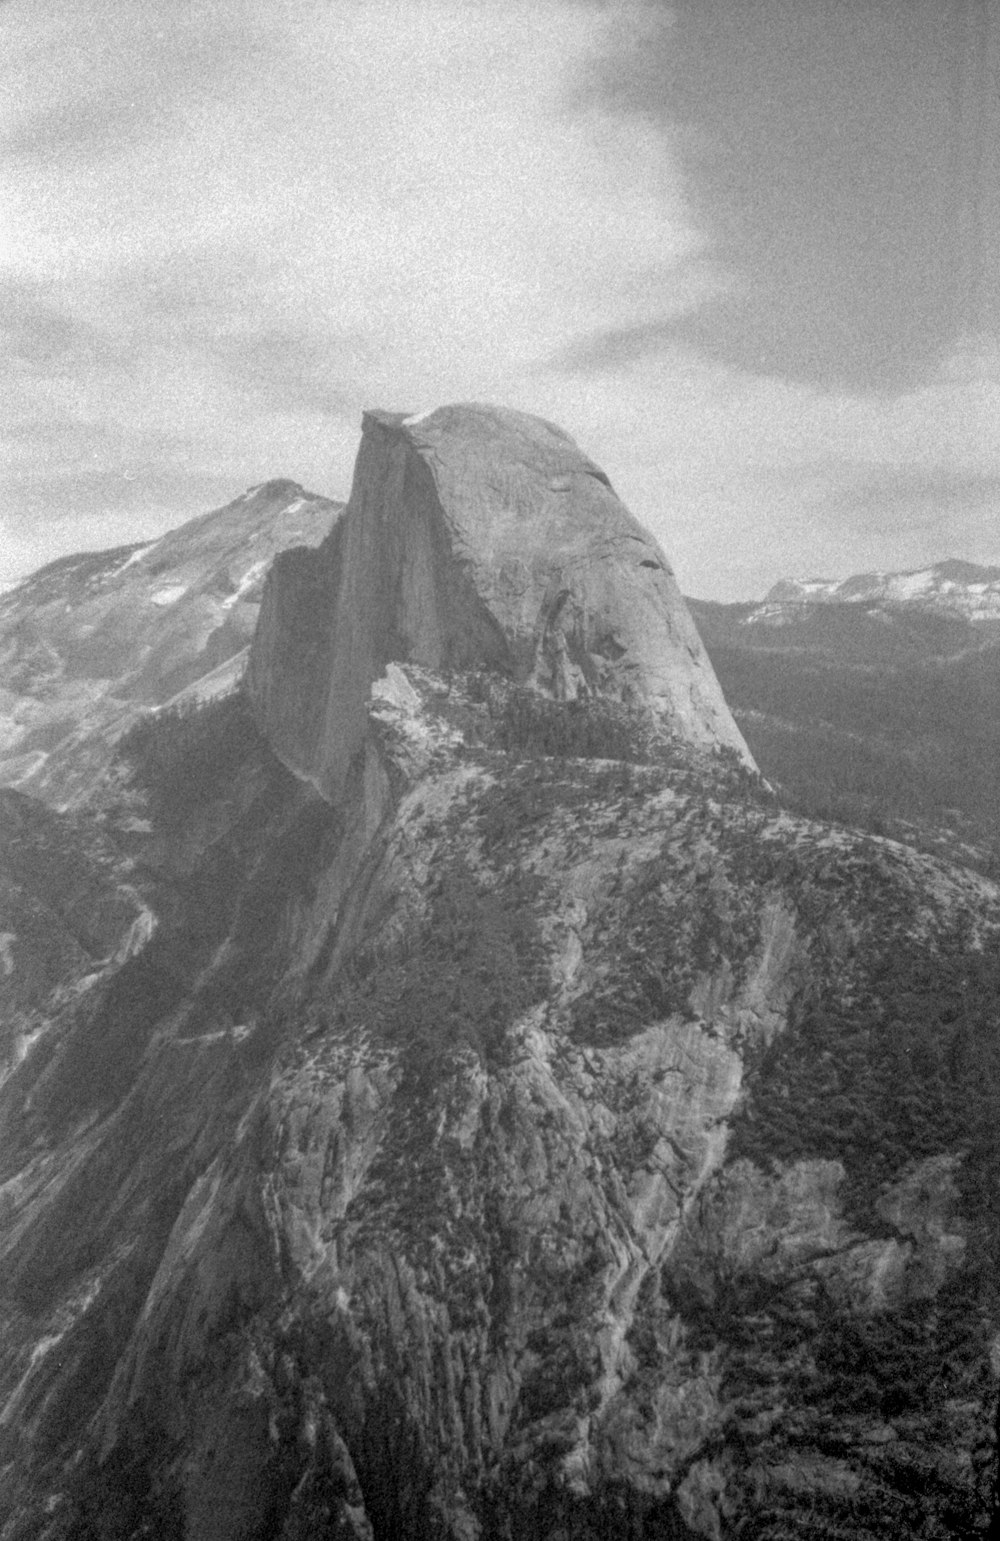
(746, 251)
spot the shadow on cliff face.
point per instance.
(454, 1241)
(130, 1096)
(556, 1138)
(235, 841)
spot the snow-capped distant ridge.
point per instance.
(95, 639)
(963, 588)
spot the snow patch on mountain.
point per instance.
(92, 641)
(135, 557)
(254, 574)
(170, 595)
(962, 588)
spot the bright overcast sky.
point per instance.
(746, 251)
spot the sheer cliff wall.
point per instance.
(475, 537)
(549, 1139)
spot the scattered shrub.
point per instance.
(671, 927)
(185, 755)
(528, 724)
(907, 1069)
(472, 971)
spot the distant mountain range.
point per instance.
(874, 700)
(956, 587)
(90, 642)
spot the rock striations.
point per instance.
(475, 538)
(508, 1121)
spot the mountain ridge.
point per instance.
(964, 588)
(536, 1130)
(879, 715)
(91, 640)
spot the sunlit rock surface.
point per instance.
(90, 641)
(514, 1142)
(476, 537)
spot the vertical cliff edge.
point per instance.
(475, 537)
(486, 1113)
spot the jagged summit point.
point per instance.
(475, 537)
(276, 487)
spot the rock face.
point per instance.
(476, 537)
(91, 641)
(545, 1134)
(68, 912)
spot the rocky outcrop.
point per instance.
(475, 538)
(91, 641)
(539, 1133)
(542, 1156)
